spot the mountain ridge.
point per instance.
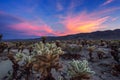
(106, 34)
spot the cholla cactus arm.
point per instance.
(39, 52)
(79, 68)
(119, 49)
(19, 56)
(29, 58)
(91, 48)
(60, 78)
(42, 49)
(47, 44)
(37, 46)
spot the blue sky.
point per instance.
(22, 19)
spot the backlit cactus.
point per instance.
(18, 56)
(91, 48)
(100, 53)
(47, 58)
(79, 68)
(73, 48)
(42, 49)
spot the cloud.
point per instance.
(86, 22)
(75, 3)
(8, 19)
(32, 29)
(70, 22)
(59, 6)
(107, 2)
(82, 23)
(12, 24)
(114, 18)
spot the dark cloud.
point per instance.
(6, 19)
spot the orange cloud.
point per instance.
(72, 23)
(83, 22)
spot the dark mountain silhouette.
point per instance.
(107, 34)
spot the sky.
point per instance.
(23, 19)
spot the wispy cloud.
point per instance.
(32, 29)
(59, 6)
(71, 23)
(75, 3)
(107, 2)
(6, 19)
(114, 19)
(35, 28)
(82, 23)
(86, 22)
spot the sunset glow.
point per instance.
(35, 18)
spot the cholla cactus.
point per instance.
(29, 58)
(73, 48)
(3, 46)
(91, 48)
(60, 78)
(100, 52)
(119, 49)
(18, 56)
(79, 68)
(42, 49)
(24, 58)
(27, 61)
(64, 46)
(47, 58)
(43, 39)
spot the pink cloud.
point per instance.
(86, 22)
(31, 28)
(114, 19)
(107, 2)
(82, 23)
(73, 23)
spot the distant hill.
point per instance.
(108, 34)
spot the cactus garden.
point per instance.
(60, 60)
